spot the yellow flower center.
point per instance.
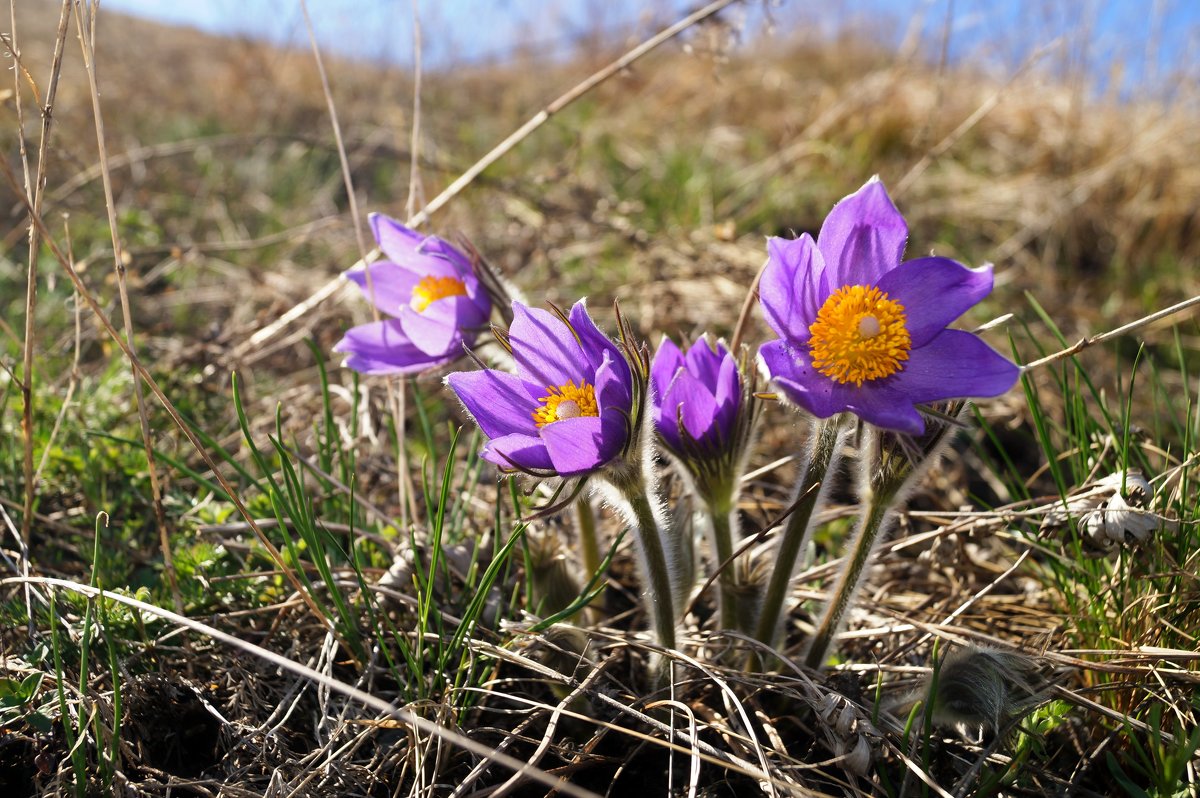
(566, 401)
(431, 289)
(859, 335)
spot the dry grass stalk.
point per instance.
(86, 28)
(499, 151)
(35, 189)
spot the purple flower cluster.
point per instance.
(859, 330)
(430, 290)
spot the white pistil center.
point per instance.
(868, 327)
(567, 409)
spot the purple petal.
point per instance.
(612, 390)
(440, 248)
(391, 234)
(546, 351)
(392, 284)
(705, 363)
(880, 403)
(382, 348)
(479, 297)
(408, 248)
(790, 288)
(519, 451)
(935, 292)
(793, 374)
(692, 401)
(439, 326)
(595, 343)
(667, 423)
(497, 401)
(667, 361)
(728, 394)
(863, 237)
(955, 364)
(578, 445)
(783, 360)
(615, 431)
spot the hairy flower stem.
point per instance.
(823, 455)
(875, 519)
(635, 504)
(585, 520)
(889, 467)
(722, 515)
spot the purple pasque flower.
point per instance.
(861, 331)
(696, 398)
(430, 290)
(569, 409)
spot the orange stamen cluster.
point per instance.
(859, 335)
(566, 401)
(431, 289)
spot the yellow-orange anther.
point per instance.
(859, 335)
(431, 289)
(566, 401)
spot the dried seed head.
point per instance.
(975, 691)
(858, 760)
(1106, 518)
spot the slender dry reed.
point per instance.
(35, 189)
(86, 29)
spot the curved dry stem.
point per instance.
(499, 151)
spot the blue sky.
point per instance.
(1147, 37)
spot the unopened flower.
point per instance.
(704, 411)
(430, 291)
(696, 398)
(568, 411)
(861, 331)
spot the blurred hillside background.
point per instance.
(1144, 40)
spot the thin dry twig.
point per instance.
(337, 131)
(395, 394)
(739, 329)
(87, 41)
(415, 192)
(36, 190)
(495, 154)
(1084, 343)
